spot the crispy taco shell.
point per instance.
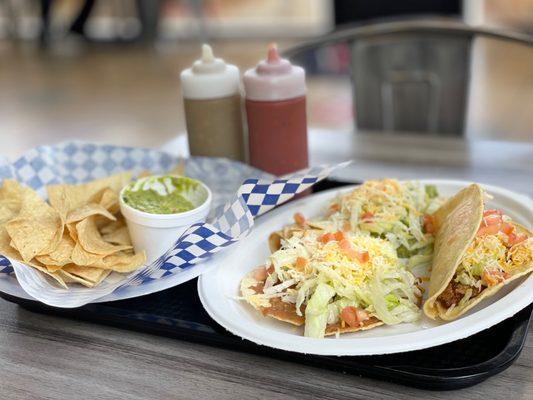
(275, 238)
(286, 312)
(457, 222)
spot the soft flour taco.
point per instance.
(477, 252)
(333, 283)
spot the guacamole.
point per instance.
(161, 194)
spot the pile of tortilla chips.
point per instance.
(78, 236)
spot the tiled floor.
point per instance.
(130, 95)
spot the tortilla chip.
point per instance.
(79, 195)
(112, 226)
(90, 239)
(61, 256)
(87, 276)
(80, 256)
(54, 275)
(458, 221)
(62, 204)
(10, 204)
(53, 268)
(10, 199)
(122, 262)
(37, 229)
(88, 210)
(108, 199)
(119, 236)
(5, 245)
(71, 229)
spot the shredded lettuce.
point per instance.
(392, 210)
(316, 312)
(431, 191)
(386, 223)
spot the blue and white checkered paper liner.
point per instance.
(76, 162)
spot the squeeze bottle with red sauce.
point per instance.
(275, 111)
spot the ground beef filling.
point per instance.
(454, 292)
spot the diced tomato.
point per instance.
(492, 277)
(345, 244)
(492, 219)
(362, 315)
(513, 238)
(488, 230)
(335, 207)
(349, 315)
(352, 253)
(507, 228)
(366, 217)
(363, 256)
(301, 262)
(299, 219)
(260, 274)
(353, 316)
(429, 224)
(326, 237)
(329, 237)
(347, 249)
(339, 236)
(492, 212)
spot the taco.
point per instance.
(399, 212)
(477, 252)
(333, 283)
(298, 228)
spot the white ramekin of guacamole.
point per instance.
(158, 209)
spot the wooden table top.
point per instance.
(53, 358)
(49, 357)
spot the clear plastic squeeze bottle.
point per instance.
(275, 110)
(211, 94)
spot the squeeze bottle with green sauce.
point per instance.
(275, 111)
(212, 99)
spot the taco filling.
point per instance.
(333, 282)
(477, 252)
(496, 252)
(399, 212)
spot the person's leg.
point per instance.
(78, 26)
(46, 6)
(149, 16)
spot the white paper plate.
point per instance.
(219, 287)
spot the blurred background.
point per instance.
(108, 70)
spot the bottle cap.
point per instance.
(274, 78)
(209, 77)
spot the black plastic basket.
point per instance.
(178, 313)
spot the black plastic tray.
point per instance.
(178, 313)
